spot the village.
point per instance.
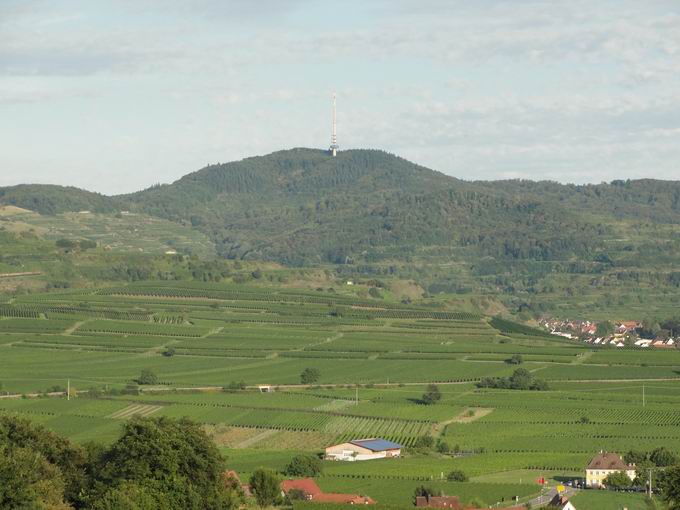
(616, 334)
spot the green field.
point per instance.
(374, 362)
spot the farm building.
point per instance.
(312, 492)
(363, 449)
(603, 465)
(439, 502)
(561, 502)
(451, 502)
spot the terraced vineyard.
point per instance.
(374, 360)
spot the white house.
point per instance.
(561, 502)
(363, 449)
(603, 465)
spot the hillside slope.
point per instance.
(544, 243)
(301, 206)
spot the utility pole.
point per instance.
(68, 389)
(643, 396)
(649, 484)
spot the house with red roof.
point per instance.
(451, 502)
(605, 464)
(312, 492)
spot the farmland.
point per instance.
(211, 344)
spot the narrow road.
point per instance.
(544, 499)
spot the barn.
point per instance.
(363, 449)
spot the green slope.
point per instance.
(546, 244)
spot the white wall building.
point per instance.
(363, 449)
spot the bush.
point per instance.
(424, 442)
(516, 359)
(234, 385)
(457, 476)
(307, 466)
(431, 395)
(663, 457)
(147, 377)
(309, 376)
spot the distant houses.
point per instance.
(605, 464)
(364, 449)
(624, 333)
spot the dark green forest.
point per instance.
(369, 212)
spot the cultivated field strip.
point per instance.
(132, 410)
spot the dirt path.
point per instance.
(69, 331)
(213, 331)
(27, 273)
(463, 417)
(582, 358)
(256, 439)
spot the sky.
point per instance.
(114, 96)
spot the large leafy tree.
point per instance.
(29, 481)
(173, 461)
(266, 486)
(617, 480)
(431, 395)
(304, 465)
(663, 457)
(669, 482)
(38, 464)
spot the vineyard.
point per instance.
(211, 345)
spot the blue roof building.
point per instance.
(364, 449)
(377, 445)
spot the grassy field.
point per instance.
(374, 361)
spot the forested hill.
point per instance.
(50, 199)
(301, 206)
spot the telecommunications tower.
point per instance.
(333, 149)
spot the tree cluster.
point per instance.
(432, 395)
(310, 376)
(521, 379)
(155, 463)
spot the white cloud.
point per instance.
(578, 90)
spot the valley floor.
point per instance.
(210, 346)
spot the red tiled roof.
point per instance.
(310, 488)
(306, 485)
(604, 460)
(439, 502)
(343, 498)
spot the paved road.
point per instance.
(548, 495)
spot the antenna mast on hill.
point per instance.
(333, 149)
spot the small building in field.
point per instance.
(363, 449)
(451, 502)
(310, 491)
(603, 465)
(562, 502)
